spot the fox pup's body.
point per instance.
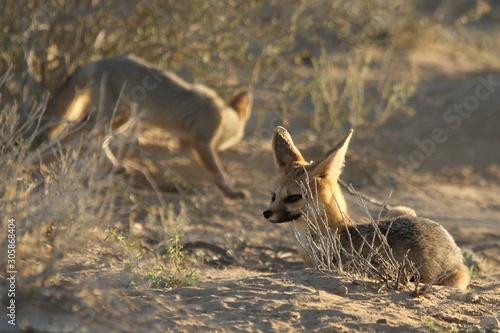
(126, 89)
(429, 246)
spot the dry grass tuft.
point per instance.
(328, 250)
(84, 236)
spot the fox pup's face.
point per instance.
(286, 198)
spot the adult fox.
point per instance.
(126, 90)
(428, 245)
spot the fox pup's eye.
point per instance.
(273, 197)
(293, 198)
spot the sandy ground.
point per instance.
(269, 290)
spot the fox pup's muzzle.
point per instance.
(271, 217)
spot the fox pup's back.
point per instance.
(422, 240)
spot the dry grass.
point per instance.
(333, 251)
(227, 45)
(349, 101)
(83, 235)
(329, 253)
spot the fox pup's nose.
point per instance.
(267, 214)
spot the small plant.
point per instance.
(432, 326)
(170, 268)
(345, 101)
(172, 273)
(126, 243)
(339, 103)
(180, 274)
(160, 277)
(474, 273)
(474, 262)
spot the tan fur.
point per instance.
(400, 211)
(431, 247)
(125, 90)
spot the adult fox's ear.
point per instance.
(242, 103)
(286, 156)
(330, 165)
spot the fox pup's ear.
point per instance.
(330, 165)
(242, 103)
(286, 155)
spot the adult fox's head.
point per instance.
(295, 174)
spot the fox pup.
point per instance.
(125, 89)
(431, 248)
